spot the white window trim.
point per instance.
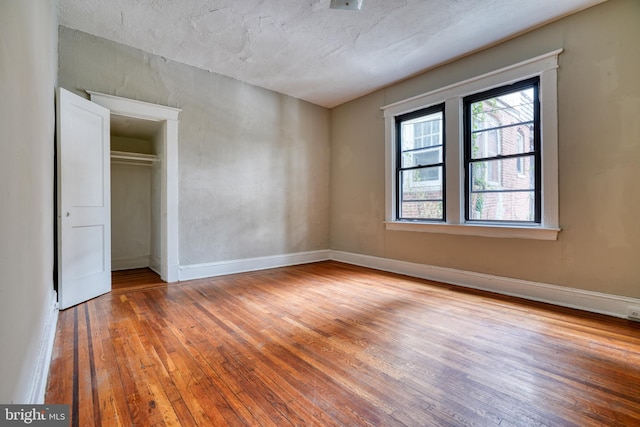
(545, 66)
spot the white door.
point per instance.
(84, 200)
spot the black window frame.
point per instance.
(438, 108)
(534, 83)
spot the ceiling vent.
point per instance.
(346, 4)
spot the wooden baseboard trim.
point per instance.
(596, 302)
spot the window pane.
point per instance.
(422, 183)
(510, 108)
(421, 210)
(424, 157)
(513, 139)
(508, 174)
(497, 206)
(422, 193)
(425, 131)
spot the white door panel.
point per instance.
(84, 223)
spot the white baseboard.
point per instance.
(38, 384)
(129, 263)
(596, 302)
(155, 264)
(199, 271)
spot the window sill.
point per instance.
(484, 230)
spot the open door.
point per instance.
(83, 205)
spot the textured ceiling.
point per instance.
(305, 49)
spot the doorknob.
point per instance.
(68, 214)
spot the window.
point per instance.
(496, 187)
(499, 134)
(420, 154)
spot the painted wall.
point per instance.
(28, 69)
(599, 155)
(253, 164)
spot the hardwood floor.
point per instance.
(330, 344)
(139, 278)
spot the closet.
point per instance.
(135, 193)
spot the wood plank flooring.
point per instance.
(329, 344)
(139, 278)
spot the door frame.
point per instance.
(169, 170)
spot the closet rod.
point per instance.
(147, 164)
(123, 155)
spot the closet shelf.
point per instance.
(126, 157)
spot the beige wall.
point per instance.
(28, 68)
(253, 164)
(599, 161)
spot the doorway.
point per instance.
(135, 193)
(145, 144)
